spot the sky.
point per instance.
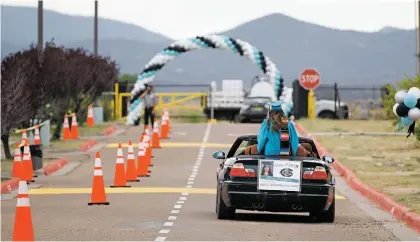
(185, 18)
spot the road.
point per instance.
(177, 203)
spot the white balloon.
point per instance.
(415, 91)
(399, 96)
(414, 114)
(394, 109)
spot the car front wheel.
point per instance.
(222, 211)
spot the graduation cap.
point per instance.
(274, 106)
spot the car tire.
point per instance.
(327, 115)
(325, 216)
(222, 211)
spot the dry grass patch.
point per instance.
(390, 164)
(325, 125)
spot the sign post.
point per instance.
(310, 80)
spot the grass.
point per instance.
(388, 163)
(65, 144)
(324, 125)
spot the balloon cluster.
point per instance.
(200, 42)
(408, 107)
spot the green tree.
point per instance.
(389, 100)
(128, 77)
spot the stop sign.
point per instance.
(310, 79)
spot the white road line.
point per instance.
(168, 224)
(189, 184)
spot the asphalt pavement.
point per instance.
(177, 202)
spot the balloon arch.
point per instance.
(200, 42)
(407, 107)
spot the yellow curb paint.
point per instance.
(108, 190)
(178, 144)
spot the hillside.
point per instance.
(346, 57)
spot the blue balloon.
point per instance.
(410, 100)
(406, 121)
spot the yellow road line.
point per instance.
(177, 144)
(62, 191)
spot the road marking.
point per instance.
(164, 231)
(184, 191)
(172, 218)
(190, 182)
(179, 144)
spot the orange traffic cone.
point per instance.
(24, 136)
(166, 113)
(90, 121)
(17, 163)
(98, 196)
(155, 138)
(74, 127)
(146, 140)
(37, 138)
(23, 229)
(66, 129)
(164, 128)
(28, 172)
(131, 172)
(142, 163)
(119, 178)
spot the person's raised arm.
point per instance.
(293, 137)
(262, 136)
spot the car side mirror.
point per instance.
(220, 155)
(328, 159)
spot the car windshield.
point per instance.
(257, 100)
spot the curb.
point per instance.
(397, 210)
(54, 166)
(10, 185)
(88, 144)
(111, 129)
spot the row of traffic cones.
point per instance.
(73, 132)
(123, 174)
(22, 163)
(37, 137)
(23, 227)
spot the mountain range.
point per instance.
(346, 57)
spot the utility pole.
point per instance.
(95, 30)
(418, 36)
(40, 29)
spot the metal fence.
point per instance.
(364, 102)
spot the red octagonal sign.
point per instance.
(310, 79)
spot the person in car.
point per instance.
(269, 136)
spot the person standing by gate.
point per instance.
(150, 102)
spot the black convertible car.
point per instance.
(274, 183)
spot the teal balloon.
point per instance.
(410, 100)
(406, 121)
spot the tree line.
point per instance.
(46, 85)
